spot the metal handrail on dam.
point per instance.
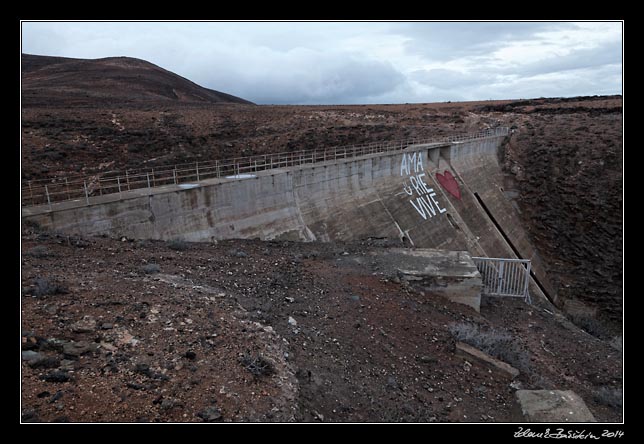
(60, 189)
(505, 277)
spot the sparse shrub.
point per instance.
(46, 287)
(53, 155)
(590, 325)
(32, 225)
(151, 268)
(612, 397)
(497, 343)
(178, 245)
(257, 365)
(39, 251)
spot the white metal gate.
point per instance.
(504, 277)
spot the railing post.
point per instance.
(153, 182)
(48, 201)
(174, 174)
(118, 182)
(148, 176)
(500, 280)
(217, 167)
(197, 168)
(526, 293)
(127, 180)
(86, 193)
(100, 190)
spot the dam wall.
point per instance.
(437, 195)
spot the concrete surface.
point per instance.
(451, 274)
(477, 356)
(340, 199)
(553, 406)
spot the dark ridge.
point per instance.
(60, 81)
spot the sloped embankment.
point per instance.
(269, 331)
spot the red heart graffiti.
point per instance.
(449, 183)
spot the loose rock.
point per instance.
(55, 376)
(85, 325)
(210, 414)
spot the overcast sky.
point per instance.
(358, 62)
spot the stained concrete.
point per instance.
(477, 356)
(342, 199)
(553, 406)
(451, 274)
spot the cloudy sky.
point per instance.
(358, 62)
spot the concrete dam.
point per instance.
(446, 195)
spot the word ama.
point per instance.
(425, 201)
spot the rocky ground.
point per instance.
(149, 331)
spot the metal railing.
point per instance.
(504, 277)
(59, 189)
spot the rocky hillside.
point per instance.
(567, 159)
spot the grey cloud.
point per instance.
(607, 54)
(300, 75)
(449, 78)
(448, 41)
(343, 81)
(603, 80)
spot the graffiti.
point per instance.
(448, 182)
(423, 197)
(410, 161)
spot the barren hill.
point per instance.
(59, 81)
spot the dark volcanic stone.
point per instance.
(210, 414)
(29, 416)
(63, 418)
(56, 397)
(55, 376)
(45, 362)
